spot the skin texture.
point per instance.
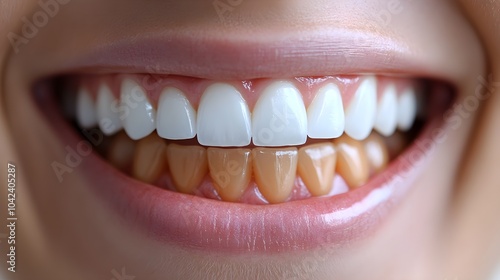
(447, 228)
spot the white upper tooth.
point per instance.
(407, 109)
(279, 117)
(109, 119)
(325, 114)
(387, 112)
(176, 118)
(223, 117)
(138, 117)
(361, 113)
(85, 109)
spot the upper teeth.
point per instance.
(223, 118)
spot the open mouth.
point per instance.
(262, 164)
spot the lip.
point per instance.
(193, 222)
(204, 224)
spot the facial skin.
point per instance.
(447, 227)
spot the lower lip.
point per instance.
(203, 224)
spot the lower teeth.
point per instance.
(258, 175)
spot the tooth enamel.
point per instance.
(275, 171)
(361, 113)
(387, 112)
(407, 109)
(121, 151)
(325, 114)
(188, 166)
(176, 118)
(139, 114)
(223, 117)
(85, 110)
(316, 167)
(352, 163)
(149, 159)
(231, 171)
(376, 152)
(279, 117)
(109, 120)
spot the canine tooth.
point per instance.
(109, 120)
(361, 113)
(279, 117)
(316, 167)
(275, 171)
(352, 163)
(139, 115)
(407, 109)
(176, 118)
(387, 112)
(325, 115)
(223, 117)
(120, 152)
(231, 171)
(85, 110)
(188, 166)
(376, 152)
(149, 159)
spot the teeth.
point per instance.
(121, 151)
(231, 171)
(176, 118)
(325, 115)
(275, 171)
(352, 163)
(279, 117)
(361, 113)
(149, 159)
(109, 119)
(316, 167)
(407, 109)
(188, 166)
(387, 112)
(376, 152)
(139, 117)
(85, 110)
(223, 117)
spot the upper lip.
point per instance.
(219, 57)
(201, 223)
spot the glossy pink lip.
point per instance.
(199, 223)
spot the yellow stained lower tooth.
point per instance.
(121, 151)
(316, 167)
(376, 152)
(275, 170)
(149, 159)
(188, 166)
(231, 171)
(352, 163)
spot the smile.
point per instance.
(257, 164)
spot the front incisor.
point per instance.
(275, 170)
(352, 162)
(149, 159)
(231, 171)
(188, 166)
(316, 167)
